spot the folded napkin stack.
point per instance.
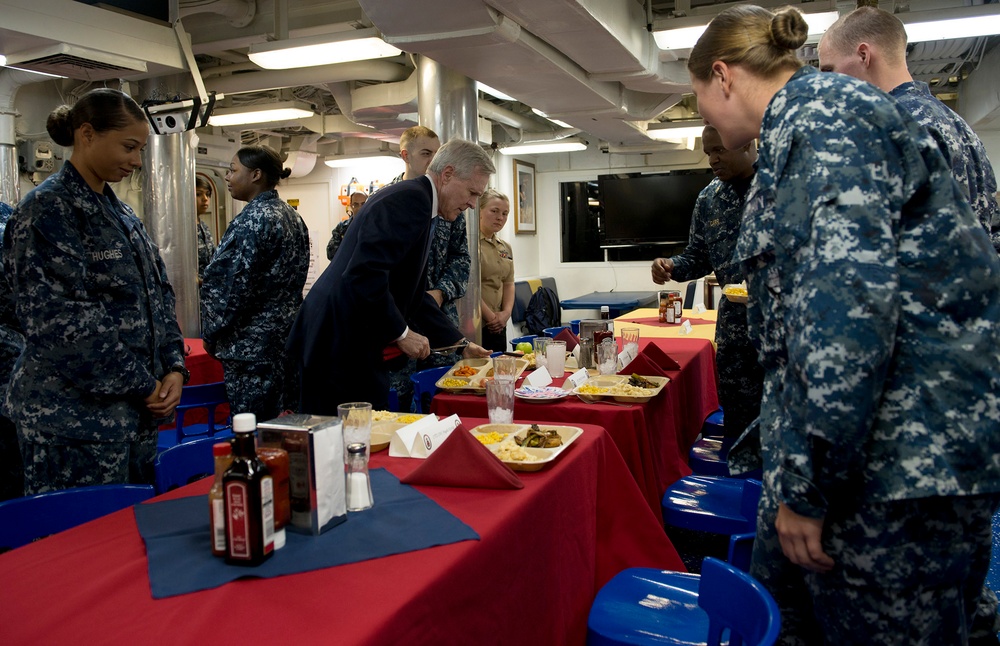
(463, 461)
(642, 366)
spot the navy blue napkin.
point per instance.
(178, 543)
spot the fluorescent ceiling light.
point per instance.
(688, 31)
(261, 113)
(382, 161)
(327, 49)
(957, 22)
(561, 124)
(486, 89)
(561, 146)
(3, 60)
(674, 131)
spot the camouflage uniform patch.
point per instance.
(11, 344)
(337, 237)
(715, 227)
(874, 304)
(250, 296)
(53, 463)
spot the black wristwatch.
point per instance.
(184, 372)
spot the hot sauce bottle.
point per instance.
(223, 455)
(248, 491)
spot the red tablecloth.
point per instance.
(654, 438)
(544, 552)
(203, 368)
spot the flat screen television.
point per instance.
(653, 209)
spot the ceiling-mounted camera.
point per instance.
(166, 117)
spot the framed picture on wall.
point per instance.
(524, 197)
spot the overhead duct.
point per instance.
(83, 63)
(602, 38)
(384, 71)
(239, 13)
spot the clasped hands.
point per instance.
(166, 395)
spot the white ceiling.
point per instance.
(590, 63)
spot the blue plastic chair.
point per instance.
(648, 606)
(207, 396)
(575, 326)
(424, 388)
(554, 331)
(22, 520)
(183, 464)
(529, 338)
(710, 504)
(741, 550)
(714, 425)
(707, 457)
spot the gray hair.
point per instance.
(466, 157)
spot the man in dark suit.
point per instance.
(372, 300)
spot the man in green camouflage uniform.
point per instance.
(875, 305)
(715, 227)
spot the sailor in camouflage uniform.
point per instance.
(870, 44)
(358, 200)
(11, 344)
(206, 243)
(715, 226)
(103, 355)
(875, 303)
(253, 287)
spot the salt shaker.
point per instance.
(359, 486)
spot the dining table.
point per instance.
(542, 554)
(647, 319)
(654, 437)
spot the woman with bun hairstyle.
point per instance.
(252, 289)
(103, 355)
(875, 309)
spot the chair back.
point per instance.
(424, 388)
(741, 551)
(182, 464)
(207, 396)
(528, 338)
(736, 601)
(23, 520)
(751, 500)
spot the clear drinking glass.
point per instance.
(630, 336)
(356, 418)
(541, 343)
(555, 352)
(500, 401)
(607, 356)
(504, 368)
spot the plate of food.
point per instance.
(385, 423)
(470, 375)
(632, 389)
(736, 293)
(546, 394)
(526, 448)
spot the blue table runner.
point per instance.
(178, 542)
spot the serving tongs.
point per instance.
(449, 349)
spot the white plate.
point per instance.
(547, 394)
(545, 456)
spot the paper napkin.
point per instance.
(571, 339)
(660, 358)
(463, 461)
(421, 438)
(642, 366)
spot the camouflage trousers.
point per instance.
(906, 572)
(52, 462)
(257, 388)
(741, 386)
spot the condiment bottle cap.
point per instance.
(244, 423)
(357, 447)
(220, 449)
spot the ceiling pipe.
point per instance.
(507, 117)
(384, 71)
(11, 81)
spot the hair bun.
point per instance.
(789, 28)
(285, 173)
(60, 125)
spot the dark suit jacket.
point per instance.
(375, 287)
